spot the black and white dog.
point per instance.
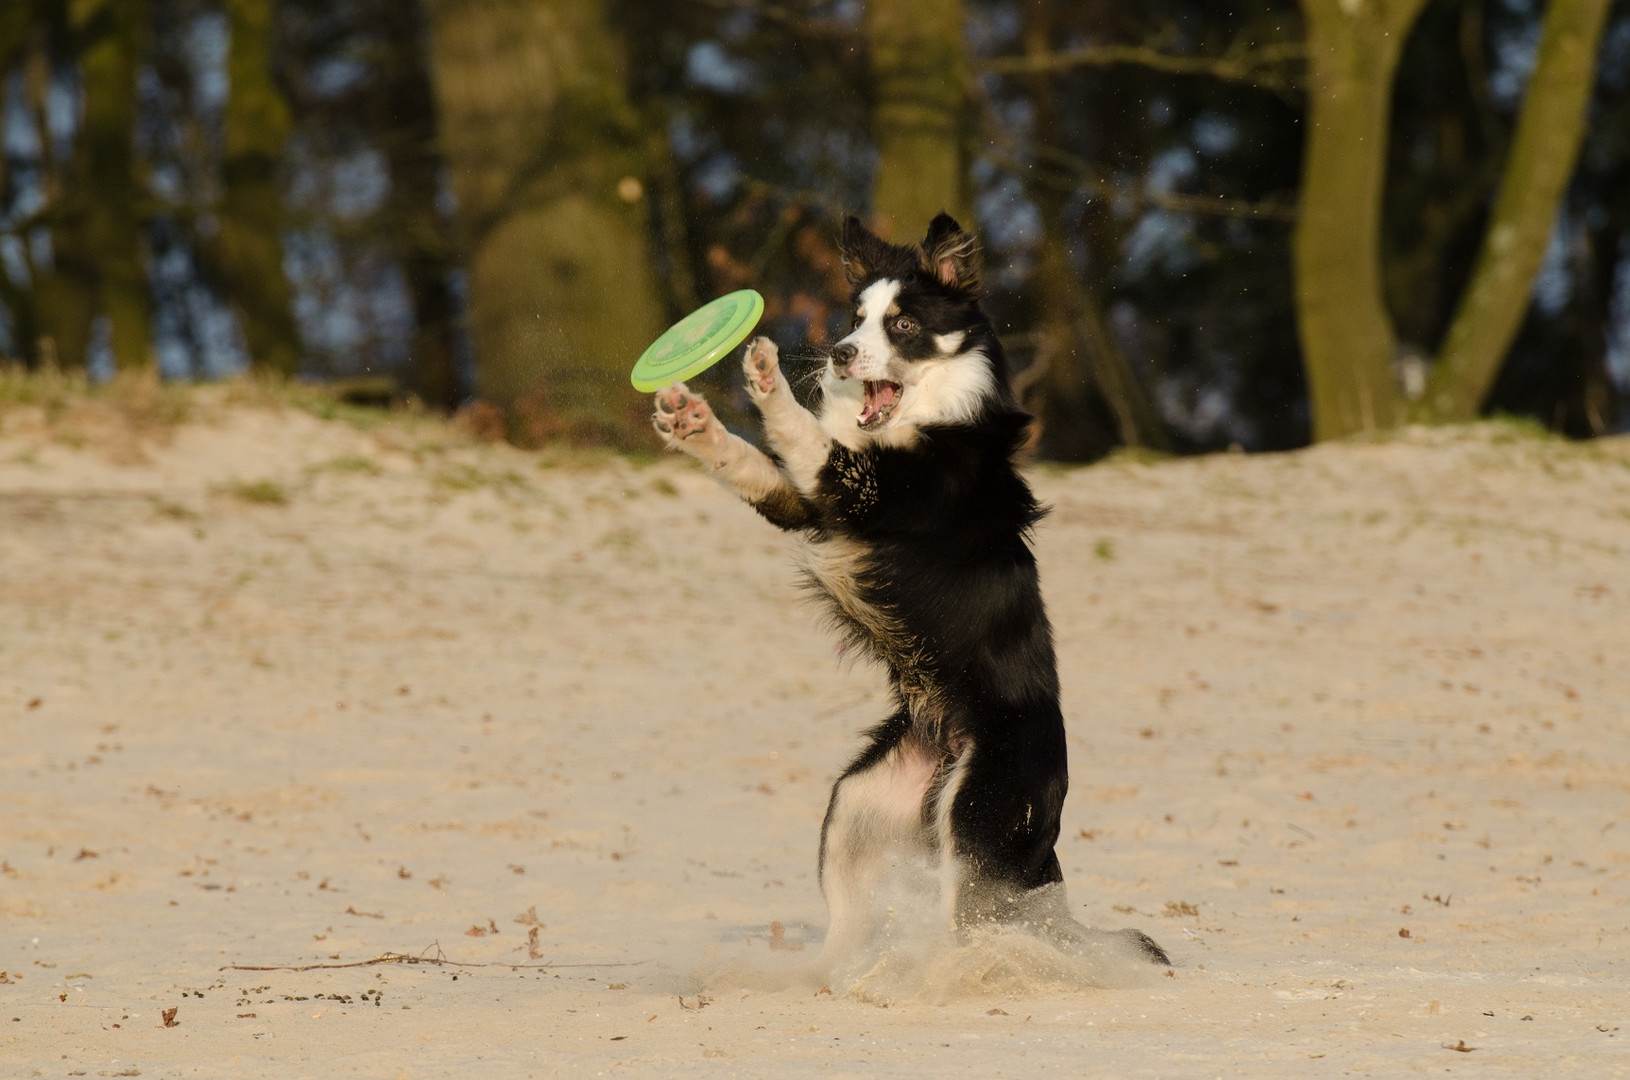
(915, 526)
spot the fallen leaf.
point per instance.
(1460, 1046)
(169, 1017)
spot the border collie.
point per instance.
(915, 526)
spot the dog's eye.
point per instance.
(904, 325)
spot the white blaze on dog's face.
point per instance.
(915, 352)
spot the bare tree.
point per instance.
(1346, 333)
(1543, 152)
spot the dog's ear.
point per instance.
(864, 252)
(950, 254)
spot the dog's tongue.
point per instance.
(879, 396)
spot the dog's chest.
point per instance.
(835, 566)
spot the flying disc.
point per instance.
(698, 341)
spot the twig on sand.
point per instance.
(438, 960)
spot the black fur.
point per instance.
(943, 527)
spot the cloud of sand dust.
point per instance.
(913, 957)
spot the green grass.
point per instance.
(353, 464)
(258, 492)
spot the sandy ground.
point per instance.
(1348, 732)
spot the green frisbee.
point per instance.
(698, 341)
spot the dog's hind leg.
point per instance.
(686, 423)
(996, 820)
(792, 429)
(873, 821)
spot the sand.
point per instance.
(1348, 734)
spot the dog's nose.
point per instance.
(844, 354)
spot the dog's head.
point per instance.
(921, 350)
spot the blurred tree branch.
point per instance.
(1252, 65)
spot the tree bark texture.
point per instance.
(1346, 334)
(1550, 129)
(251, 216)
(919, 72)
(547, 158)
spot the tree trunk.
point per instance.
(423, 232)
(919, 71)
(546, 157)
(1346, 334)
(97, 265)
(257, 125)
(1550, 129)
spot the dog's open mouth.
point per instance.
(881, 397)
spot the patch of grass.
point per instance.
(622, 542)
(1506, 428)
(1136, 455)
(1105, 550)
(259, 492)
(116, 416)
(174, 511)
(459, 476)
(353, 463)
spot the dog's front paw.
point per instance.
(761, 364)
(684, 420)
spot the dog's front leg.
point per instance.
(792, 429)
(686, 423)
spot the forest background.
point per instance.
(1254, 225)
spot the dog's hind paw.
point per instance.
(761, 365)
(685, 422)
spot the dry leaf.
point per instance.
(779, 942)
